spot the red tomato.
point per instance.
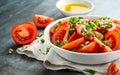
(60, 34)
(79, 29)
(115, 21)
(73, 37)
(92, 47)
(113, 69)
(52, 29)
(74, 44)
(101, 46)
(24, 33)
(113, 38)
(42, 21)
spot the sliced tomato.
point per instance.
(73, 37)
(42, 21)
(99, 29)
(115, 21)
(79, 29)
(102, 48)
(113, 69)
(74, 44)
(24, 33)
(92, 47)
(113, 27)
(60, 34)
(113, 38)
(57, 26)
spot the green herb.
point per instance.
(59, 22)
(104, 31)
(63, 43)
(56, 27)
(98, 35)
(96, 22)
(24, 47)
(73, 21)
(10, 51)
(82, 45)
(92, 72)
(71, 31)
(105, 42)
(57, 42)
(42, 41)
(40, 34)
(92, 26)
(48, 49)
(89, 34)
(73, 49)
(84, 32)
(80, 17)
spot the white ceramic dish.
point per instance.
(60, 3)
(82, 58)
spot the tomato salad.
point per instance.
(86, 35)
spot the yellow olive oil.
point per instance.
(75, 7)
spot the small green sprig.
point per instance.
(42, 41)
(48, 49)
(92, 72)
(10, 51)
(40, 34)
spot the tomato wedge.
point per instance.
(79, 29)
(74, 44)
(113, 69)
(42, 21)
(92, 47)
(73, 37)
(24, 33)
(56, 26)
(61, 34)
(101, 46)
(113, 39)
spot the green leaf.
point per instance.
(48, 49)
(10, 51)
(40, 34)
(57, 42)
(42, 41)
(92, 72)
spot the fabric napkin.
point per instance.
(53, 61)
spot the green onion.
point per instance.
(73, 49)
(82, 45)
(105, 42)
(24, 47)
(104, 31)
(80, 17)
(59, 22)
(92, 72)
(48, 49)
(71, 31)
(98, 35)
(87, 42)
(104, 18)
(42, 41)
(89, 34)
(57, 42)
(63, 43)
(56, 27)
(40, 34)
(10, 51)
(84, 32)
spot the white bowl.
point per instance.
(60, 3)
(82, 58)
